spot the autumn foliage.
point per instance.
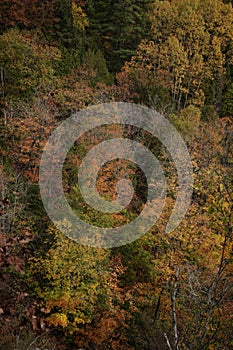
(164, 291)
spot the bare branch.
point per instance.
(168, 342)
(173, 299)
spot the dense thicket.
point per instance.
(162, 291)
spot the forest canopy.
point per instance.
(163, 291)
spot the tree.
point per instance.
(70, 279)
(117, 27)
(26, 63)
(29, 14)
(227, 108)
(188, 55)
(95, 61)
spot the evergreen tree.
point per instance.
(117, 27)
(94, 60)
